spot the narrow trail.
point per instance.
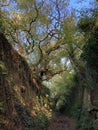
(61, 122)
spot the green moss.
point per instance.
(41, 120)
(85, 122)
(3, 69)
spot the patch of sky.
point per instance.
(68, 64)
(11, 7)
(63, 60)
(79, 5)
(32, 58)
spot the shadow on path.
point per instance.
(61, 122)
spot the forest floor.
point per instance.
(61, 122)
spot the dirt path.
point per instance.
(61, 122)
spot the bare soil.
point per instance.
(61, 122)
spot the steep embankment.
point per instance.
(16, 95)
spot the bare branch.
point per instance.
(52, 49)
(58, 11)
(41, 55)
(49, 75)
(34, 19)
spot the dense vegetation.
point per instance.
(49, 61)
